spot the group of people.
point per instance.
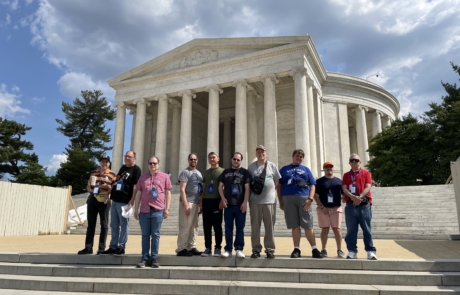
(224, 195)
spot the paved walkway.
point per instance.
(391, 249)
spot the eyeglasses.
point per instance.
(355, 160)
(153, 163)
(193, 159)
(238, 160)
(127, 156)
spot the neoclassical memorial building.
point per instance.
(232, 94)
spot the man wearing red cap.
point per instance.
(328, 196)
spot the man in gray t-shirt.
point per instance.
(190, 190)
(263, 206)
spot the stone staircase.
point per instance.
(52, 273)
(415, 212)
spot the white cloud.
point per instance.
(14, 4)
(38, 99)
(15, 88)
(10, 103)
(55, 163)
(8, 19)
(71, 85)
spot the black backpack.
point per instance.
(257, 185)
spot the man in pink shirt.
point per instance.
(153, 194)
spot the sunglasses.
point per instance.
(355, 160)
(193, 159)
(328, 167)
(153, 163)
(238, 160)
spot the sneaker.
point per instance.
(316, 254)
(109, 251)
(207, 252)
(352, 255)
(255, 254)
(119, 252)
(340, 253)
(85, 251)
(195, 251)
(217, 252)
(99, 252)
(240, 254)
(141, 264)
(295, 253)
(324, 252)
(154, 263)
(371, 255)
(184, 253)
(226, 254)
(270, 254)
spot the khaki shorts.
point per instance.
(331, 218)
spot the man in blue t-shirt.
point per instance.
(328, 196)
(296, 190)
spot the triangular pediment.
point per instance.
(205, 51)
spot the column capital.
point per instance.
(119, 104)
(141, 100)
(159, 97)
(269, 76)
(310, 81)
(174, 104)
(226, 119)
(213, 87)
(252, 93)
(241, 82)
(360, 107)
(376, 112)
(132, 109)
(187, 92)
(298, 71)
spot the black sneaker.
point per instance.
(185, 253)
(154, 263)
(109, 251)
(195, 251)
(141, 264)
(119, 252)
(255, 254)
(270, 254)
(316, 254)
(295, 253)
(85, 251)
(324, 252)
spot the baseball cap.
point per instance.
(104, 158)
(260, 147)
(328, 164)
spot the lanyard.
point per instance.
(353, 178)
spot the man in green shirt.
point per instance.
(211, 207)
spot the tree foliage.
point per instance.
(412, 148)
(13, 148)
(32, 173)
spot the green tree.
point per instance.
(85, 123)
(13, 148)
(32, 173)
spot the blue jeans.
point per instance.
(233, 214)
(150, 227)
(362, 216)
(119, 226)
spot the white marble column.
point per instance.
(386, 121)
(119, 136)
(252, 124)
(353, 141)
(185, 128)
(361, 133)
(139, 132)
(175, 135)
(312, 128)
(162, 128)
(319, 130)
(227, 148)
(270, 126)
(302, 135)
(376, 122)
(241, 121)
(132, 111)
(260, 119)
(213, 120)
(344, 139)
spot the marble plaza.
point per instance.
(232, 94)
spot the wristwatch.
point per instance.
(311, 200)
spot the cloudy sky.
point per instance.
(52, 49)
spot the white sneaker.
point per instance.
(371, 255)
(340, 253)
(240, 254)
(352, 255)
(226, 254)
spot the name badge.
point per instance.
(154, 193)
(330, 198)
(235, 189)
(353, 188)
(200, 188)
(119, 186)
(96, 190)
(211, 188)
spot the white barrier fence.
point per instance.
(30, 210)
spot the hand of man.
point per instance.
(244, 207)
(223, 202)
(306, 205)
(356, 200)
(166, 213)
(281, 206)
(187, 209)
(136, 215)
